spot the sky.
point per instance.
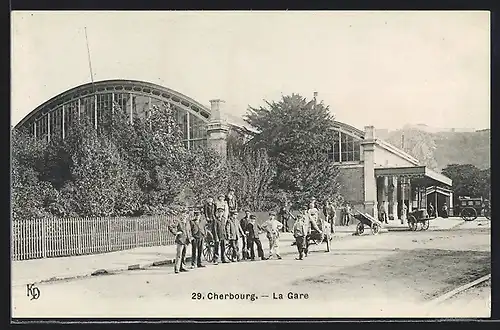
(385, 69)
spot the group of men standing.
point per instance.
(221, 226)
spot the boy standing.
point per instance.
(198, 233)
(272, 228)
(252, 232)
(300, 233)
(232, 235)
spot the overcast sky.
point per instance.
(372, 68)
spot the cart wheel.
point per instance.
(425, 225)
(375, 228)
(208, 252)
(360, 228)
(468, 214)
(229, 252)
(412, 222)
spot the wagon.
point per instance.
(471, 208)
(366, 220)
(418, 217)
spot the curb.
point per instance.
(448, 295)
(141, 266)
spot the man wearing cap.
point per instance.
(231, 201)
(182, 239)
(272, 228)
(219, 229)
(252, 232)
(243, 241)
(198, 233)
(284, 214)
(209, 210)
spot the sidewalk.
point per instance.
(52, 269)
(434, 224)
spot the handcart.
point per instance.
(418, 218)
(317, 238)
(366, 220)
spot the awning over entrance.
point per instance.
(439, 190)
(419, 175)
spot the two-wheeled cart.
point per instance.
(418, 219)
(366, 220)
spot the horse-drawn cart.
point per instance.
(366, 220)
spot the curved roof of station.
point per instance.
(117, 86)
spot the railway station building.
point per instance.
(372, 171)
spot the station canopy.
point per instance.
(418, 175)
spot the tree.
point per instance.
(296, 134)
(468, 180)
(30, 197)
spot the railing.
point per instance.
(53, 237)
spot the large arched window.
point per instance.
(345, 148)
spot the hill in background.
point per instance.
(439, 149)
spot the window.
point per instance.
(140, 106)
(56, 123)
(470, 203)
(104, 106)
(478, 203)
(197, 128)
(346, 148)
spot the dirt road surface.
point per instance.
(392, 275)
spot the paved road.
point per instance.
(394, 274)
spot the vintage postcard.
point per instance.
(250, 164)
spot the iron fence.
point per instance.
(56, 237)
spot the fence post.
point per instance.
(79, 234)
(110, 245)
(158, 226)
(44, 237)
(136, 229)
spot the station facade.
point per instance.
(372, 171)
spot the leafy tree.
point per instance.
(296, 135)
(468, 180)
(30, 197)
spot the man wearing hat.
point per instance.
(198, 233)
(272, 228)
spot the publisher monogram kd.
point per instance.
(32, 291)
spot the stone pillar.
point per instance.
(217, 129)
(403, 198)
(394, 197)
(370, 182)
(410, 197)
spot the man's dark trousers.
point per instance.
(196, 251)
(301, 243)
(257, 242)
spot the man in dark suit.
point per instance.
(183, 237)
(252, 233)
(198, 233)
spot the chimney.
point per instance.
(215, 109)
